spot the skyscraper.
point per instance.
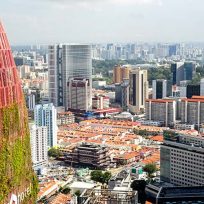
(68, 61)
(138, 90)
(189, 70)
(17, 179)
(39, 148)
(161, 88)
(177, 70)
(46, 115)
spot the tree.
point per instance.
(66, 190)
(150, 169)
(106, 176)
(99, 176)
(139, 186)
(77, 193)
(54, 152)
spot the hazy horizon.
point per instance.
(93, 21)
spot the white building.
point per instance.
(39, 150)
(46, 115)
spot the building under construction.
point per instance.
(106, 196)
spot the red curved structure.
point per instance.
(17, 178)
(10, 85)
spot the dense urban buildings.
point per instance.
(46, 115)
(138, 90)
(68, 61)
(17, 179)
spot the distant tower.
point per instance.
(68, 61)
(46, 115)
(16, 173)
(138, 90)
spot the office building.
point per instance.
(79, 92)
(31, 101)
(161, 110)
(172, 195)
(177, 69)
(125, 87)
(189, 70)
(120, 73)
(118, 93)
(17, 177)
(138, 90)
(192, 90)
(68, 61)
(46, 115)
(161, 88)
(183, 88)
(182, 158)
(39, 150)
(86, 155)
(100, 102)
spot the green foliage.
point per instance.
(77, 193)
(150, 169)
(99, 176)
(15, 156)
(66, 190)
(54, 152)
(139, 186)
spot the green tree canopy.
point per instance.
(150, 169)
(54, 152)
(99, 176)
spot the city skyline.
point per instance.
(51, 21)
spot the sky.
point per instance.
(102, 21)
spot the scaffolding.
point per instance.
(106, 196)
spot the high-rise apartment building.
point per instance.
(79, 91)
(182, 158)
(39, 148)
(68, 61)
(120, 73)
(138, 90)
(17, 178)
(192, 110)
(177, 70)
(162, 110)
(161, 88)
(46, 115)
